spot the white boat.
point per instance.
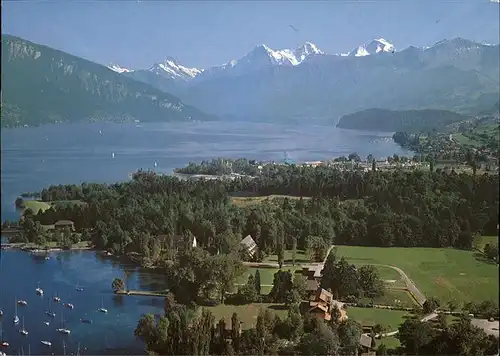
(69, 305)
(102, 309)
(78, 288)
(47, 257)
(39, 290)
(62, 329)
(1, 312)
(49, 312)
(22, 302)
(23, 331)
(46, 323)
(3, 343)
(46, 343)
(56, 299)
(16, 318)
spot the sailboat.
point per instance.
(16, 318)
(49, 312)
(39, 290)
(62, 329)
(46, 343)
(23, 330)
(3, 343)
(102, 309)
(56, 298)
(22, 302)
(78, 288)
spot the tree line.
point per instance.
(399, 208)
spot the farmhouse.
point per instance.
(249, 245)
(322, 303)
(61, 224)
(313, 277)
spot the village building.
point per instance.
(366, 344)
(61, 224)
(313, 277)
(249, 245)
(321, 305)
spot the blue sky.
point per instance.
(136, 34)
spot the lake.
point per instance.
(33, 158)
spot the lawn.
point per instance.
(36, 205)
(391, 342)
(443, 273)
(266, 277)
(247, 313)
(389, 319)
(393, 297)
(300, 257)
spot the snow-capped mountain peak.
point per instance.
(375, 46)
(172, 69)
(117, 68)
(284, 56)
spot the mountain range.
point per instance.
(42, 85)
(305, 82)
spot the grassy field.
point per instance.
(443, 273)
(393, 297)
(389, 319)
(246, 201)
(246, 313)
(391, 342)
(37, 205)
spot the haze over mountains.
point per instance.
(305, 82)
(44, 85)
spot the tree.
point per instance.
(117, 284)
(413, 335)
(316, 247)
(350, 333)
(294, 250)
(235, 332)
(370, 282)
(328, 272)
(430, 305)
(321, 341)
(257, 283)
(298, 291)
(369, 158)
(282, 287)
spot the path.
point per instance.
(412, 288)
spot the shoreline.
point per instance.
(26, 247)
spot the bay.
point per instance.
(33, 158)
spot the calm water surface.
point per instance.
(34, 158)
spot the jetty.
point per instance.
(144, 293)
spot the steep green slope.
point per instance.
(42, 85)
(404, 120)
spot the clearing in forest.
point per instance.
(445, 273)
